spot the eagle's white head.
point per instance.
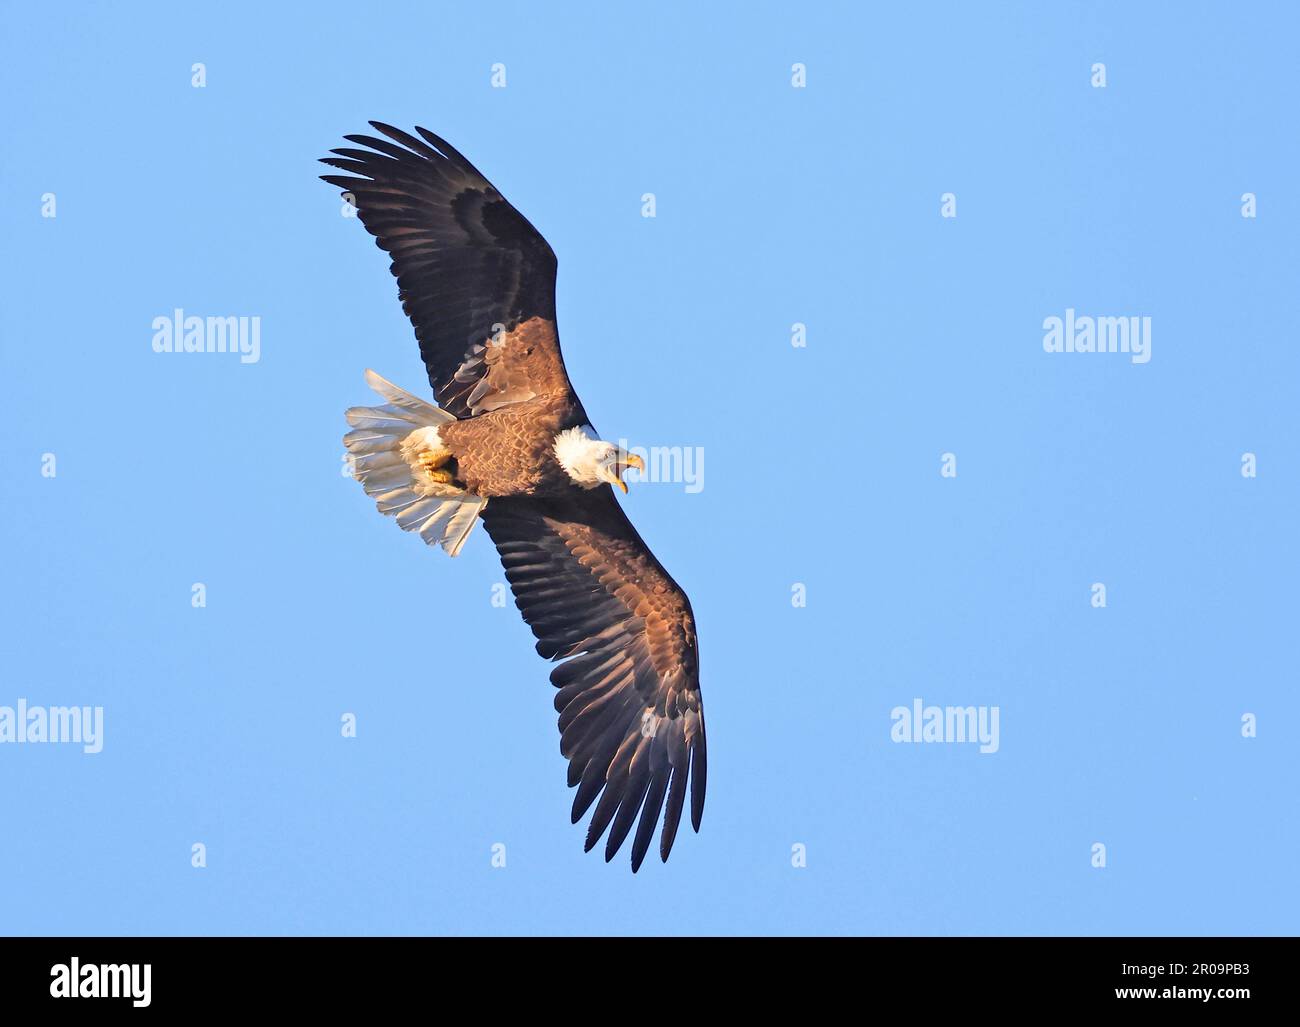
(590, 461)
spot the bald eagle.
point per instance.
(508, 443)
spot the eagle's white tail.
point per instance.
(395, 452)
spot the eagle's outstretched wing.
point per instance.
(631, 721)
(470, 269)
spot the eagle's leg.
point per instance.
(433, 463)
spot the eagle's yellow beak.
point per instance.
(625, 461)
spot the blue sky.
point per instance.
(775, 205)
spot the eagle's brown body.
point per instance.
(478, 283)
(507, 448)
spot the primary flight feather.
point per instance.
(508, 443)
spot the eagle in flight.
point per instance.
(509, 443)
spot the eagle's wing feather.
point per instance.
(631, 722)
(472, 274)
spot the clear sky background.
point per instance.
(775, 205)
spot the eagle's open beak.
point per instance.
(625, 461)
